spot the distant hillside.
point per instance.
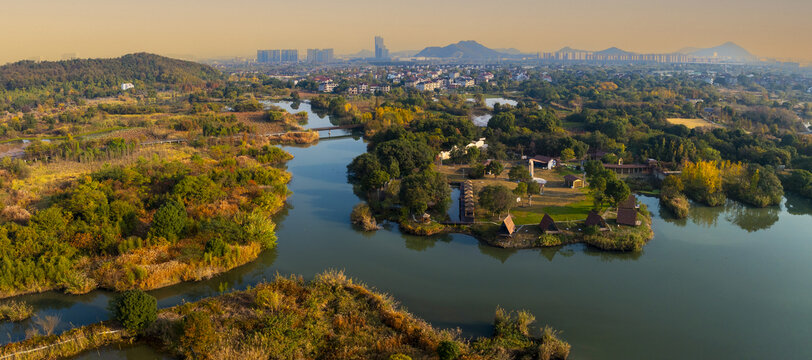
(26, 84)
(149, 69)
(613, 51)
(471, 50)
(727, 50)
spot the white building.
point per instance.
(127, 86)
(327, 86)
(479, 144)
(429, 85)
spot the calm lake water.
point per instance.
(482, 120)
(727, 283)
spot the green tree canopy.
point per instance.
(134, 309)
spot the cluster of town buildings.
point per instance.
(423, 78)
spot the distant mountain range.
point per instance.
(472, 50)
(468, 50)
(727, 51)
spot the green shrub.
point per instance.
(216, 247)
(448, 350)
(477, 172)
(549, 240)
(169, 221)
(134, 309)
(257, 227)
(400, 357)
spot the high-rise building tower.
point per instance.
(381, 52)
(290, 55)
(268, 56)
(320, 56)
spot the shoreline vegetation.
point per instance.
(14, 311)
(618, 238)
(331, 316)
(147, 224)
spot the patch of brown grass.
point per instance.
(691, 123)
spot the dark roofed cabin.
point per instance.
(627, 216)
(508, 227)
(548, 225)
(593, 219)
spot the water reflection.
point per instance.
(798, 205)
(549, 253)
(749, 218)
(497, 253)
(315, 118)
(609, 256)
(745, 217)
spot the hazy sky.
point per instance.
(206, 28)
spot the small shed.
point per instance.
(573, 182)
(548, 225)
(627, 216)
(593, 219)
(508, 227)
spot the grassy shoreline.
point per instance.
(331, 316)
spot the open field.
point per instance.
(691, 123)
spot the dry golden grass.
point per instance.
(159, 266)
(256, 120)
(691, 123)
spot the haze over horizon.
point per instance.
(48, 29)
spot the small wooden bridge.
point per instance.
(338, 127)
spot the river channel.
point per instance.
(731, 282)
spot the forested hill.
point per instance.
(30, 83)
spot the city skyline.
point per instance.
(94, 28)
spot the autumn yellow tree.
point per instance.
(703, 182)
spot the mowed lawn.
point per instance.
(691, 123)
(577, 210)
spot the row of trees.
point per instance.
(80, 150)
